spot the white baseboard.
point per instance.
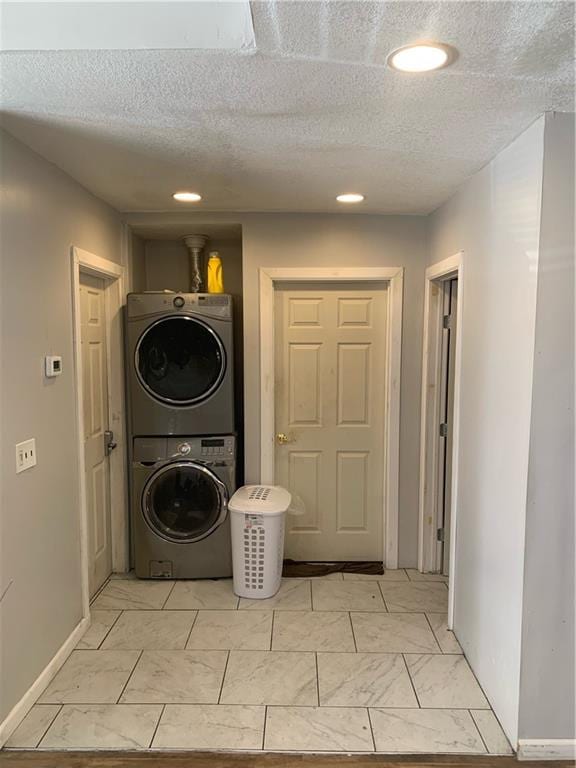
(539, 749)
(21, 709)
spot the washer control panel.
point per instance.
(192, 448)
(216, 446)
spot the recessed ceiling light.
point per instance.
(421, 57)
(187, 197)
(350, 198)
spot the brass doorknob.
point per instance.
(282, 439)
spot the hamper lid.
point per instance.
(260, 499)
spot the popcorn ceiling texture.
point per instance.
(314, 112)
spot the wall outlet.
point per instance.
(25, 455)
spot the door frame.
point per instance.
(394, 276)
(114, 276)
(440, 272)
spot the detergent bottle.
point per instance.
(215, 275)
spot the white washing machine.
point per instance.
(180, 492)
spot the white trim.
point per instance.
(22, 707)
(395, 277)
(429, 416)
(549, 749)
(96, 265)
(85, 262)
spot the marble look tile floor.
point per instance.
(347, 663)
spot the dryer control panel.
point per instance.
(214, 305)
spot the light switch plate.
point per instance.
(25, 455)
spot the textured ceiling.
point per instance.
(314, 112)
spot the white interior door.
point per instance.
(95, 400)
(330, 352)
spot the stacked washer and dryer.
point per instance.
(180, 387)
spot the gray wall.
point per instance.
(137, 257)
(43, 213)
(167, 266)
(495, 220)
(548, 642)
(273, 240)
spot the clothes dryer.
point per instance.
(179, 364)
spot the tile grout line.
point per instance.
(223, 677)
(50, 724)
(434, 633)
(371, 728)
(411, 681)
(157, 726)
(116, 620)
(264, 727)
(167, 597)
(353, 633)
(478, 730)
(194, 620)
(272, 630)
(129, 678)
(383, 598)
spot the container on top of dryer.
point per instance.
(179, 363)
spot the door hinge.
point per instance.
(440, 534)
(444, 430)
(447, 321)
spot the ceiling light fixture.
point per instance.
(350, 197)
(187, 197)
(422, 57)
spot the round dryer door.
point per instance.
(180, 360)
(184, 502)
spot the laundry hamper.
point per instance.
(257, 514)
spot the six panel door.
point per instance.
(95, 402)
(330, 403)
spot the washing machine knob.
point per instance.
(184, 448)
(179, 302)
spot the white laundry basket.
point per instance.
(257, 514)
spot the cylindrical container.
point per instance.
(215, 273)
(257, 518)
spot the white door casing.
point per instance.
(84, 262)
(96, 423)
(330, 399)
(445, 463)
(271, 278)
(436, 274)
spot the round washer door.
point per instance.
(180, 360)
(184, 502)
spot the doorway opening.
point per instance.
(449, 290)
(330, 384)
(97, 300)
(439, 419)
